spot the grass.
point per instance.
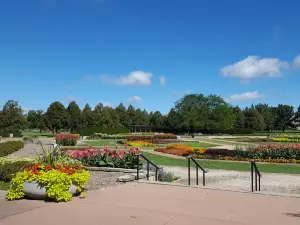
(103, 142)
(225, 165)
(36, 133)
(4, 186)
(193, 144)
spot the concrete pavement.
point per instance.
(138, 203)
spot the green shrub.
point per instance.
(91, 130)
(10, 166)
(9, 147)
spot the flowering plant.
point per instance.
(57, 180)
(67, 139)
(120, 158)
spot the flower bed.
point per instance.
(67, 139)
(151, 137)
(287, 139)
(273, 153)
(140, 144)
(123, 158)
(174, 151)
(180, 149)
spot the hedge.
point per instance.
(10, 166)
(9, 147)
(91, 130)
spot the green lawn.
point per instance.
(193, 144)
(34, 134)
(225, 165)
(102, 142)
(4, 186)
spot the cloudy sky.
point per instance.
(148, 53)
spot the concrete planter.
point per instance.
(37, 191)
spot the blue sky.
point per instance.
(148, 52)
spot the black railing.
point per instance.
(148, 167)
(254, 175)
(198, 166)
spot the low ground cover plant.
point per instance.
(67, 139)
(295, 139)
(140, 144)
(164, 176)
(9, 147)
(180, 150)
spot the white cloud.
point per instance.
(138, 78)
(297, 61)
(162, 81)
(253, 67)
(247, 96)
(135, 99)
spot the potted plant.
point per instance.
(50, 178)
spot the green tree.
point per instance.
(239, 118)
(74, 116)
(173, 120)
(97, 115)
(296, 119)
(131, 115)
(121, 110)
(157, 120)
(56, 117)
(36, 120)
(87, 116)
(210, 113)
(253, 119)
(12, 119)
(285, 114)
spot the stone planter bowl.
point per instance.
(37, 191)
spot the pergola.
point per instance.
(141, 128)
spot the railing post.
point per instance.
(189, 171)
(138, 167)
(148, 170)
(258, 183)
(251, 163)
(156, 173)
(255, 180)
(203, 178)
(197, 177)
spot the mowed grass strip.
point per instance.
(225, 165)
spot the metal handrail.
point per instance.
(255, 171)
(198, 166)
(148, 167)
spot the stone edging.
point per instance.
(110, 169)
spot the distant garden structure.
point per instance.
(141, 128)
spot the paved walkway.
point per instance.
(137, 203)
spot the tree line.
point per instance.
(192, 113)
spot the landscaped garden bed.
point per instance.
(288, 153)
(66, 139)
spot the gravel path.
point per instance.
(241, 181)
(32, 149)
(100, 180)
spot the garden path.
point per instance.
(138, 203)
(240, 180)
